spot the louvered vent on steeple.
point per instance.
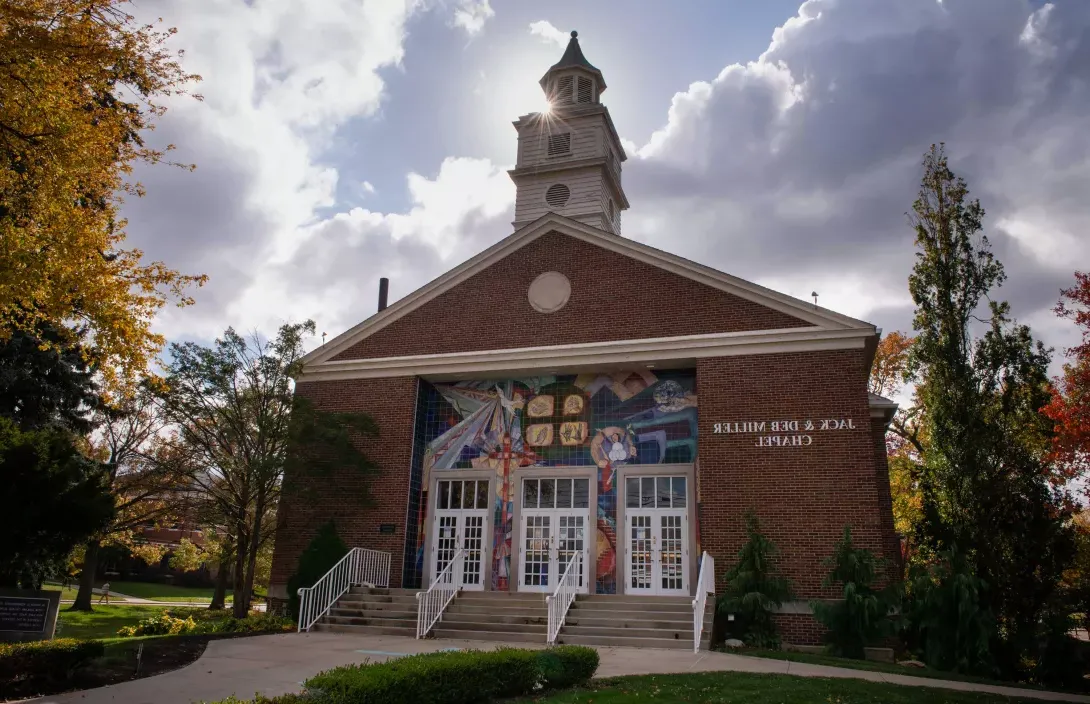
(586, 91)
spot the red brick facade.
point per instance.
(613, 298)
(803, 495)
(337, 497)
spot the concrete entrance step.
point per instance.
(454, 616)
(369, 619)
(621, 632)
(501, 599)
(442, 630)
(382, 591)
(407, 630)
(602, 605)
(378, 598)
(629, 621)
(462, 607)
(622, 642)
(448, 623)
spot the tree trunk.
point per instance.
(87, 578)
(251, 551)
(240, 607)
(219, 597)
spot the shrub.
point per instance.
(446, 678)
(204, 621)
(945, 618)
(754, 590)
(323, 552)
(43, 662)
(567, 665)
(861, 616)
(262, 699)
(437, 678)
(161, 625)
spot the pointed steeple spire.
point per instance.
(573, 59)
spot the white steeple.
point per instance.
(569, 158)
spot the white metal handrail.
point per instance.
(561, 600)
(446, 585)
(359, 566)
(705, 585)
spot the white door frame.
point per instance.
(632, 471)
(590, 527)
(428, 573)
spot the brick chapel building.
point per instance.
(569, 389)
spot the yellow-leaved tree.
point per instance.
(81, 81)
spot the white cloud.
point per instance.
(367, 187)
(467, 207)
(471, 15)
(549, 33)
(796, 169)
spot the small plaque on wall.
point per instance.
(387, 528)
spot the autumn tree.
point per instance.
(143, 474)
(81, 83)
(239, 422)
(904, 445)
(984, 477)
(1069, 407)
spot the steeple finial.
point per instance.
(573, 58)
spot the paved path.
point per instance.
(279, 663)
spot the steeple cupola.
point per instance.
(569, 158)
(573, 79)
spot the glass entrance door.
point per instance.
(555, 525)
(461, 515)
(657, 536)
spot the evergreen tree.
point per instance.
(53, 498)
(754, 590)
(320, 556)
(861, 616)
(984, 478)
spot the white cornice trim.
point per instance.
(818, 317)
(560, 358)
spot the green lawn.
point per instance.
(871, 666)
(747, 688)
(69, 593)
(145, 590)
(164, 592)
(103, 622)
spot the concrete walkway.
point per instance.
(279, 663)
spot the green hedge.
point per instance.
(447, 678)
(202, 621)
(567, 666)
(437, 678)
(38, 663)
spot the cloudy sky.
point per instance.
(344, 140)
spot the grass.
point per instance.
(748, 688)
(146, 590)
(872, 666)
(69, 593)
(103, 622)
(164, 592)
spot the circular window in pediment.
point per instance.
(549, 292)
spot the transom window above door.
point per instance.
(556, 493)
(655, 492)
(462, 493)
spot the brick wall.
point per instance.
(613, 298)
(337, 496)
(803, 496)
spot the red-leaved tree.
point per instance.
(1070, 405)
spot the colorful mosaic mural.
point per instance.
(607, 420)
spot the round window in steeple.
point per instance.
(557, 196)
